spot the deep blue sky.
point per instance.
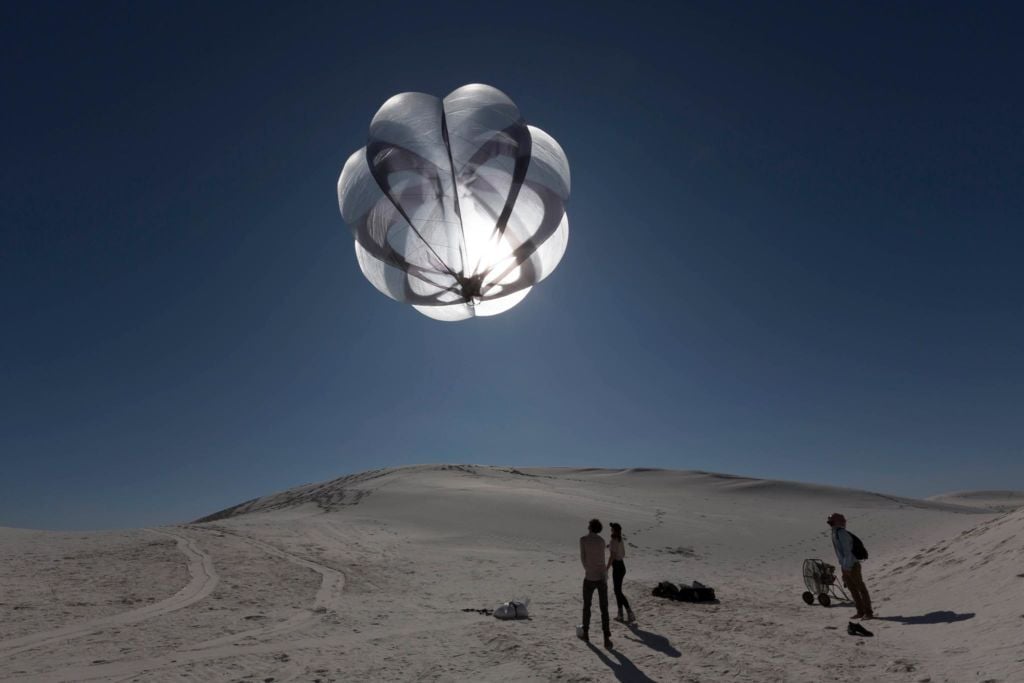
(795, 249)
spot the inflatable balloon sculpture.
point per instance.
(457, 205)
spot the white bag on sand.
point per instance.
(512, 610)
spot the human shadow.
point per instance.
(656, 642)
(624, 670)
(940, 617)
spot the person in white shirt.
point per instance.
(616, 562)
(595, 578)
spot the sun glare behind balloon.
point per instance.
(457, 206)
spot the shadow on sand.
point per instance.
(941, 617)
(624, 670)
(654, 641)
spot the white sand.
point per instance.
(364, 578)
(997, 501)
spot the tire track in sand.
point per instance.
(332, 582)
(204, 580)
(257, 641)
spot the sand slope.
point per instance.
(997, 501)
(365, 578)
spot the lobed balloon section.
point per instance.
(457, 206)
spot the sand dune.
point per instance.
(365, 577)
(998, 501)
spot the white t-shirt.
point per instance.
(592, 557)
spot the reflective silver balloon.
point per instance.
(457, 205)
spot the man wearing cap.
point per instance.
(842, 541)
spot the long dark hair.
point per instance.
(616, 530)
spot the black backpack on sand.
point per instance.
(666, 589)
(698, 592)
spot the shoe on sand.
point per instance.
(607, 643)
(858, 615)
(858, 630)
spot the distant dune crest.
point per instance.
(998, 501)
(351, 489)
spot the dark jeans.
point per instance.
(858, 591)
(619, 571)
(602, 600)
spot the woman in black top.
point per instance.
(616, 557)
